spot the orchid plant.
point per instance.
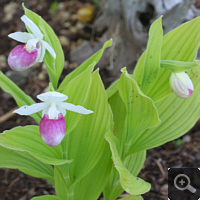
(100, 143)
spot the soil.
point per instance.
(15, 185)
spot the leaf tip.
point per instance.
(108, 43)
(123, 70)
(24, 7)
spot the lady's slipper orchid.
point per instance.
(52, 125)
(25, 56)
(181, 84)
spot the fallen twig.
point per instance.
(7, 116)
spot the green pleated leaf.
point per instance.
(112, 89)
(94, 58)
(151, 66)
(62, 180)
(177, 117)
(177, 66)
(133, 164)
(129, 182)
(19, 95)
(180, 44)
(113, 188)
(98, 175)
(132, 197)
(28, 140)
(17, 160)
(77, 91)
(142, 113)
(132, 111)
(196, 70)
(54, 66)
(47, 197)
(86, 143)
(120, 117)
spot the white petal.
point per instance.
(42, 53)
(28, 110)
(49, 49)
(185, 80)
(21, 36)
(52, 97)
(45, 111)
(74, 108)
(61, 110)
(34, 29)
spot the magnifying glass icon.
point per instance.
(182, 182)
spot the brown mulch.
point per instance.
(15, 185)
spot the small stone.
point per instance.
(73, 30)
(32, 191)
(62, 17)
(65, 15)
(63, 32)
(44, 66)
(41, 76)
(186, 138)
(67, 24)
(64, 41)
(37, 65)
(74, 17)
(9, 10)
(80, 25)
(60, 6)
(79, 41)
(73, 46)
(73, 65)
(66, 64)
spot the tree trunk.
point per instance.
(128, 22)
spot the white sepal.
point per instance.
(21, 36)
(52, 97)
(34, 29)
(185, 80)
(49, 49)
(28, 110)
(74, 108)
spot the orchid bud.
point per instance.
(52, 131)
(181, 84)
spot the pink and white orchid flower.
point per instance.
(25, 56)
(52, 125)
(181, 84)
